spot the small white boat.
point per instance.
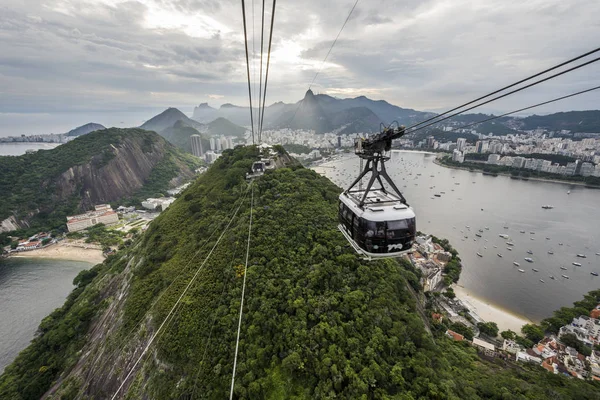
(521, 270)
(564, 276)
(541, 280)
(529, 252)
(594, 273)
(535, 270)
(581, 256)
(509, 248)
(499, 255)
(550, 252)
(528, 259)
(552, 277)
(516, 263)
(479, 254)
(577, 264)
(563, 268)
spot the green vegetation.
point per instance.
(565, 315)
(297, 148)
(453, 267)
(318, 321)
(105, 237)
(488, 328)
(570, 339)
(508, 334)
(574, 121)
(28, 183)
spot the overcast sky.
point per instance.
(92, 57)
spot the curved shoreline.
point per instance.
(62, 251)
(437, 162)
(490, 312)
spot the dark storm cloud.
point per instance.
(63, 55)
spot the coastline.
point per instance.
(491, 313)
(437, 162)
(64, 251)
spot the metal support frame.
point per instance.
(375, 165)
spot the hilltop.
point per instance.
(177, 128)
(85, 129)
(318, 321)
(40, 189)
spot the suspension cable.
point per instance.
(529, 107)
(507, 87)
(507, 94)
(248, 68)
(262, 33)
(325, 59)
(177, 302)
(237, 342)
(267, 73)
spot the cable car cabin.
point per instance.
(258, 169)
(383, 228)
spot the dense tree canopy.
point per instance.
(318, 321)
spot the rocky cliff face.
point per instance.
(101, 167)
(122, 176)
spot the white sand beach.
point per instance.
(64, 251)
(491, 313)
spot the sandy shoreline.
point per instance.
(62, 251)
(491, 313)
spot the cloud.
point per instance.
(90, 55)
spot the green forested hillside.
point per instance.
(319, 322)
(102, 166)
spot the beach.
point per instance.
(65, 251)
(490, 313)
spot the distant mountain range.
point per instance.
(325, 113)
(320, 112)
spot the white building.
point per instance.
(458, 156)
(461, 143)
(493, 159)
(162, 202)
(518, 162)
(103, 214)
(196, 144)
(587, 169)
(210, 157)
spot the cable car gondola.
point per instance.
(376, 222)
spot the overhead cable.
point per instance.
(507, 87)
(507, 94)
(264, 97)
(237, 342)
(262, 33)
(325, 59)
(529, 107)
(248, 69)
(178, 301)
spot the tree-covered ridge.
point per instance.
(28, 183)
(318, 322)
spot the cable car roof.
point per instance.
(379, 206)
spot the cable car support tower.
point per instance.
(374, 150)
